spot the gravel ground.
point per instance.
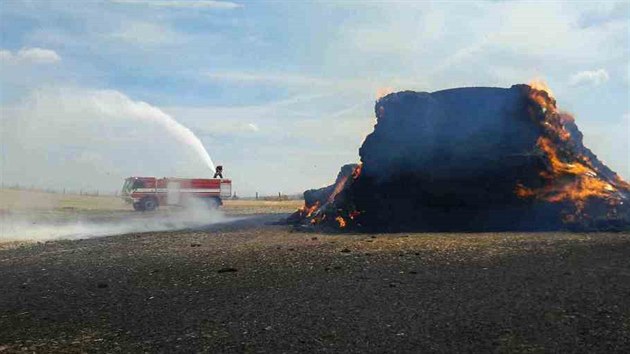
(255, 287)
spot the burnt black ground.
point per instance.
(254, 287)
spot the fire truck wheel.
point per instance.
(149, 204)
(137, 206)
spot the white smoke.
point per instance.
(65, 137)
(46, 225)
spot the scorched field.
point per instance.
(247, 284)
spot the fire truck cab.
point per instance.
(148, 193)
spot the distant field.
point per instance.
(28, 200)
(261, 206)
(34, 200)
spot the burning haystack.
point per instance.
(472, 159)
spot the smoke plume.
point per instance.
(55, 224)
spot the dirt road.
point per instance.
(250, 286)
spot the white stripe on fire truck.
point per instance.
(166, 190)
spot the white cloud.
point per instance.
(5, 54)
(592, 77)
(198, 4)
(30, 55)
(39, 55)
(147, 33)
(253, 127)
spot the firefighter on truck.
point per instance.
(148, 193)
(218, 172)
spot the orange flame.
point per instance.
(308, 211)
(558, 167)
(357, 171)
(341, 221)
(524, 192)
(540, 85)
(574, 182)
(552, 121)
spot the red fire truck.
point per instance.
(147, 193)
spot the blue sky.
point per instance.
(281, 92)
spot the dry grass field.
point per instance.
(250, 286)
(261, 206)
(11, 199)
